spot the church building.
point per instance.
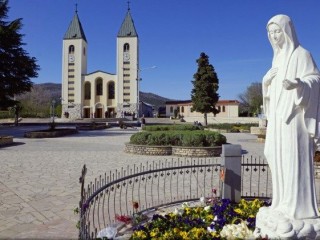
(99, 94)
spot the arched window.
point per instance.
(111, 90)
(171, 109)
(223, 108)
(182, 109)
(99, 89)
(71, 49)
(87, 91)
(126, 47)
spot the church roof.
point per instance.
(75, 30)
(127, 28)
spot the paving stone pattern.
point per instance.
(39, 177)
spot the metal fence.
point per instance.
(159, 184)
(255, 177)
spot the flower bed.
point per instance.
(57, 132)
(6, 140)
(209, 219)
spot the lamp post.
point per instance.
(53, 102)
(138, 88)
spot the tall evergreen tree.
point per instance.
(16, 67)
(204, 94)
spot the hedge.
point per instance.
(232, 127)
(196, 138)
(177, 127)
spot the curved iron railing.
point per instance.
(152, 185)
(161, 183)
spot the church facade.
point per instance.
(100, 94)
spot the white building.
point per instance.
(228, 109)
(99, 94)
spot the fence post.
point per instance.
(231, 161)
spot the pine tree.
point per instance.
(204, 94)
(16, 67)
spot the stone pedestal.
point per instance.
(260, 132)
(276, 225)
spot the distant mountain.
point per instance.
(54, 92)
(53, 88)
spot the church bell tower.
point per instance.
(74, 67)
(128, 66)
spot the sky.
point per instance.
(172, 34)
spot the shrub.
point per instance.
(194, 140)
(140, 138)
(179, 138)
(159, 138)
(233, 127)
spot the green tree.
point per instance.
(251, 100)
(16, 67)
(204, 94)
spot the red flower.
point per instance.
(123, 218)
(214, 191)
(135, 205)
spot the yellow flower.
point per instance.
(167, 235)
(184, 235)
(176, 230)
(215, 234)
(239, 211)
(188, 210)
(198, 210)
(197, 233)
(209, 218)
(140, 234)
(154, 232)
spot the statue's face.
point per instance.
(276, 34)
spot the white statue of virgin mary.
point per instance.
(291, 100)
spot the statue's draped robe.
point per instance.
(293, 121)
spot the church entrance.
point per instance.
(86, 112)
(98, 113)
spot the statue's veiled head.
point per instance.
(281, 32)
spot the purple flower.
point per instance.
(85, 206)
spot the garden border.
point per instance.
(58, 132)
(6, 140)
(180, 151)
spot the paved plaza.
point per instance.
(39, 185)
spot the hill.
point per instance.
(53, 91)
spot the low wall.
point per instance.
(173, 150)
(219, 120)
(6, 140)
(196, 151)
(148, 150)
(260, 132)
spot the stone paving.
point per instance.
(39, 177)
